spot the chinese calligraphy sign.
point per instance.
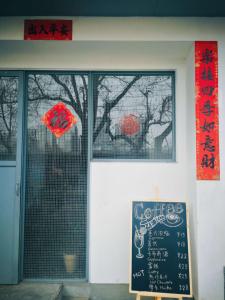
(59, 119)
(48, 29)
(207, 119)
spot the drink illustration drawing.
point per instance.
(139, 240)
(167, 214)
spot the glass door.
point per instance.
(56, 176)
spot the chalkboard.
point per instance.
(160, 249)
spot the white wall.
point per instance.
(207, 201)
(80, 55)
(141, 44)
(128, 29)
(191, 164)
(115, 184)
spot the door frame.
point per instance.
(23, 124)
(21, 151)
(16, 259)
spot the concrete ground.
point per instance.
(31, 291)
(67, 291)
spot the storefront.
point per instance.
(123, 94)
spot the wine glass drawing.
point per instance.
(139, 242)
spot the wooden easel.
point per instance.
(138, 297)
(157, 194)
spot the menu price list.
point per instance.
(160, 258)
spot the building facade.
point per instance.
(96, 226)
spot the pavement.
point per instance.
(68, 291)
(31, 291)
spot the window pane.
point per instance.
(133, 116)
(8, 115)
(56, 191)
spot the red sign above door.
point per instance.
(48, 29)
(59, 119)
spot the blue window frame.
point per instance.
(134, 116)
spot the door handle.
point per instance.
(18, 189)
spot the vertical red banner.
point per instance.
(207, 118)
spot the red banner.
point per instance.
(207, 123)
(48, 29)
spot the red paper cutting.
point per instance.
(48, 29)
(59, 119)
(207, 123)
(129, 125)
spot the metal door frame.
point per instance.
(23, 124)
(22, 143)
(18, 180)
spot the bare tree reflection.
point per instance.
(8, 114)
(149, 97)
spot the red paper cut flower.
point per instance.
(59, 119)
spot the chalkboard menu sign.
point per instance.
(160, 254)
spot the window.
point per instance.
(8, 117)
(133, 116)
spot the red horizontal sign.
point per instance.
(48, 29)
(207, 119)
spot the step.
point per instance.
(85, 291)
(76, 291)
(75, 298)
(67, 291)
(31, 291)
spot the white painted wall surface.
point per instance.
(211, 210)
(141, 44)
(115, 184)
(191, 162)
(128, 29)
